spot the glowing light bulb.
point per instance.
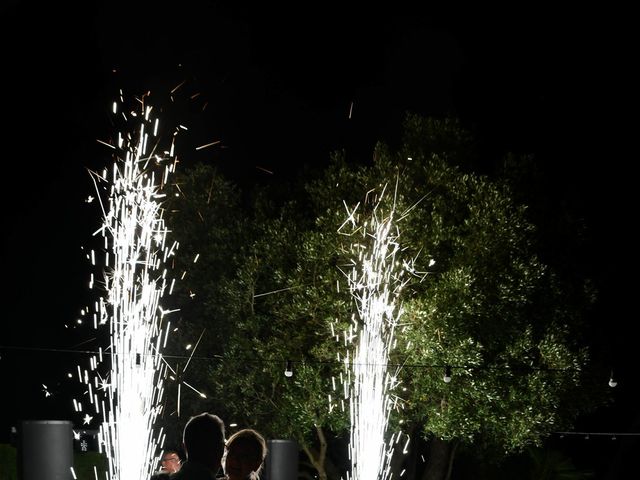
(447, 374)
(288, 370)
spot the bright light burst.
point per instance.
(128, 398)
(375, 281)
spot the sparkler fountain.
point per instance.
(129, 396)
(375, 281)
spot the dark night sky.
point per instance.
(280, 83)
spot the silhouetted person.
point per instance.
(203, 440)
(244, 455)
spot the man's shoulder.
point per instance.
(192, 471)
(160, 476)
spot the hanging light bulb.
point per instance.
(447, 374)
(288, 369)
(612, 380)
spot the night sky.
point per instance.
(279, 85)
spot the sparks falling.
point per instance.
(375, 282)
(128, 398)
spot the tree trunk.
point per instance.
(440, 460)
(318, 458)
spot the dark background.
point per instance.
(279, 84)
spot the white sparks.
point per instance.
(105, 143)
(128, 398)
(375, 282)
(208, 145)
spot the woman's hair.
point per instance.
(254, 442)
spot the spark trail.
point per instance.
(129, 396)
(375, 281)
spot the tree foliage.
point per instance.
(204, 214)
(482, 302)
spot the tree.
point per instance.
(486, 307)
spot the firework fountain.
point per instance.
(128, 397)
(375, 281)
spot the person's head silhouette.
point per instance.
(203, 440)
(244, 455)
